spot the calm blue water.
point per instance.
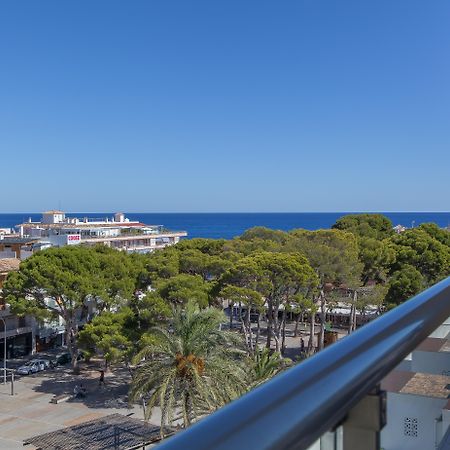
(229, 225)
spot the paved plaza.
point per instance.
(29, 412)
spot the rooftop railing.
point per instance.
(332, 388)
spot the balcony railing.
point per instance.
(293, 410)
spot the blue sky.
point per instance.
(166, 106)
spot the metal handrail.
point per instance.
(296, 407)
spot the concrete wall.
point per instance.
(405, 365)
(427, 411)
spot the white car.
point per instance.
(29, 367)
(43, 363)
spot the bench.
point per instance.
(60, 398)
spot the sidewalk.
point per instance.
(29, 412)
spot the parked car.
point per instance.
(29, 368)
(43, 363)
(46, 363)
(62, 359)
(65, 358)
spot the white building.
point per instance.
(418, 410)
(119, 232)
(418, 392)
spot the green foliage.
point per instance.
(377, 257)
(440, 234)
(147, 311)
(62, 281)
(271, 274)
(184, 288)
(332, 253)
(264, 365)
(163, 263)
(417, 248)
(212, 247)
(119, 335)
(375, 226)
(404, 283)
(106, 335)
(193, 367)
(264, 234)
(247, 247)
(300, 303)
(195, 262)
(243, 295)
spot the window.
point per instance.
(410, 426)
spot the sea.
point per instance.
(229, 225)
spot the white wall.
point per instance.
(424, 409)
(437, 363)
(24, 254)
(443, 330)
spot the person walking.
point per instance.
(101, 380)
(302, 345)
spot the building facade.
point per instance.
(19, 332)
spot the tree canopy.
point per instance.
(70, 282)
(374, 226)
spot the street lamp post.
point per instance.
(4, 350)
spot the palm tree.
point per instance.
(264, 365)
(193, 368)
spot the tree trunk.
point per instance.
(72, 344)
(283, 333)
(187, 409)
(311, 332)
(249, 329)
(355, 311)
(352, 318)
(258, 330)
(269, 324)
(231, 305)
(244, 329)
(276, 338)
(297, 323)
(276, 328)
(322, 317)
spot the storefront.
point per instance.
(50, 341)
(17, 345)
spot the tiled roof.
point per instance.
(427, 385)
(9, 264)
(424, 384)
(7, 240)
(110, 432)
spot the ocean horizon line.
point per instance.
(239, 212)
